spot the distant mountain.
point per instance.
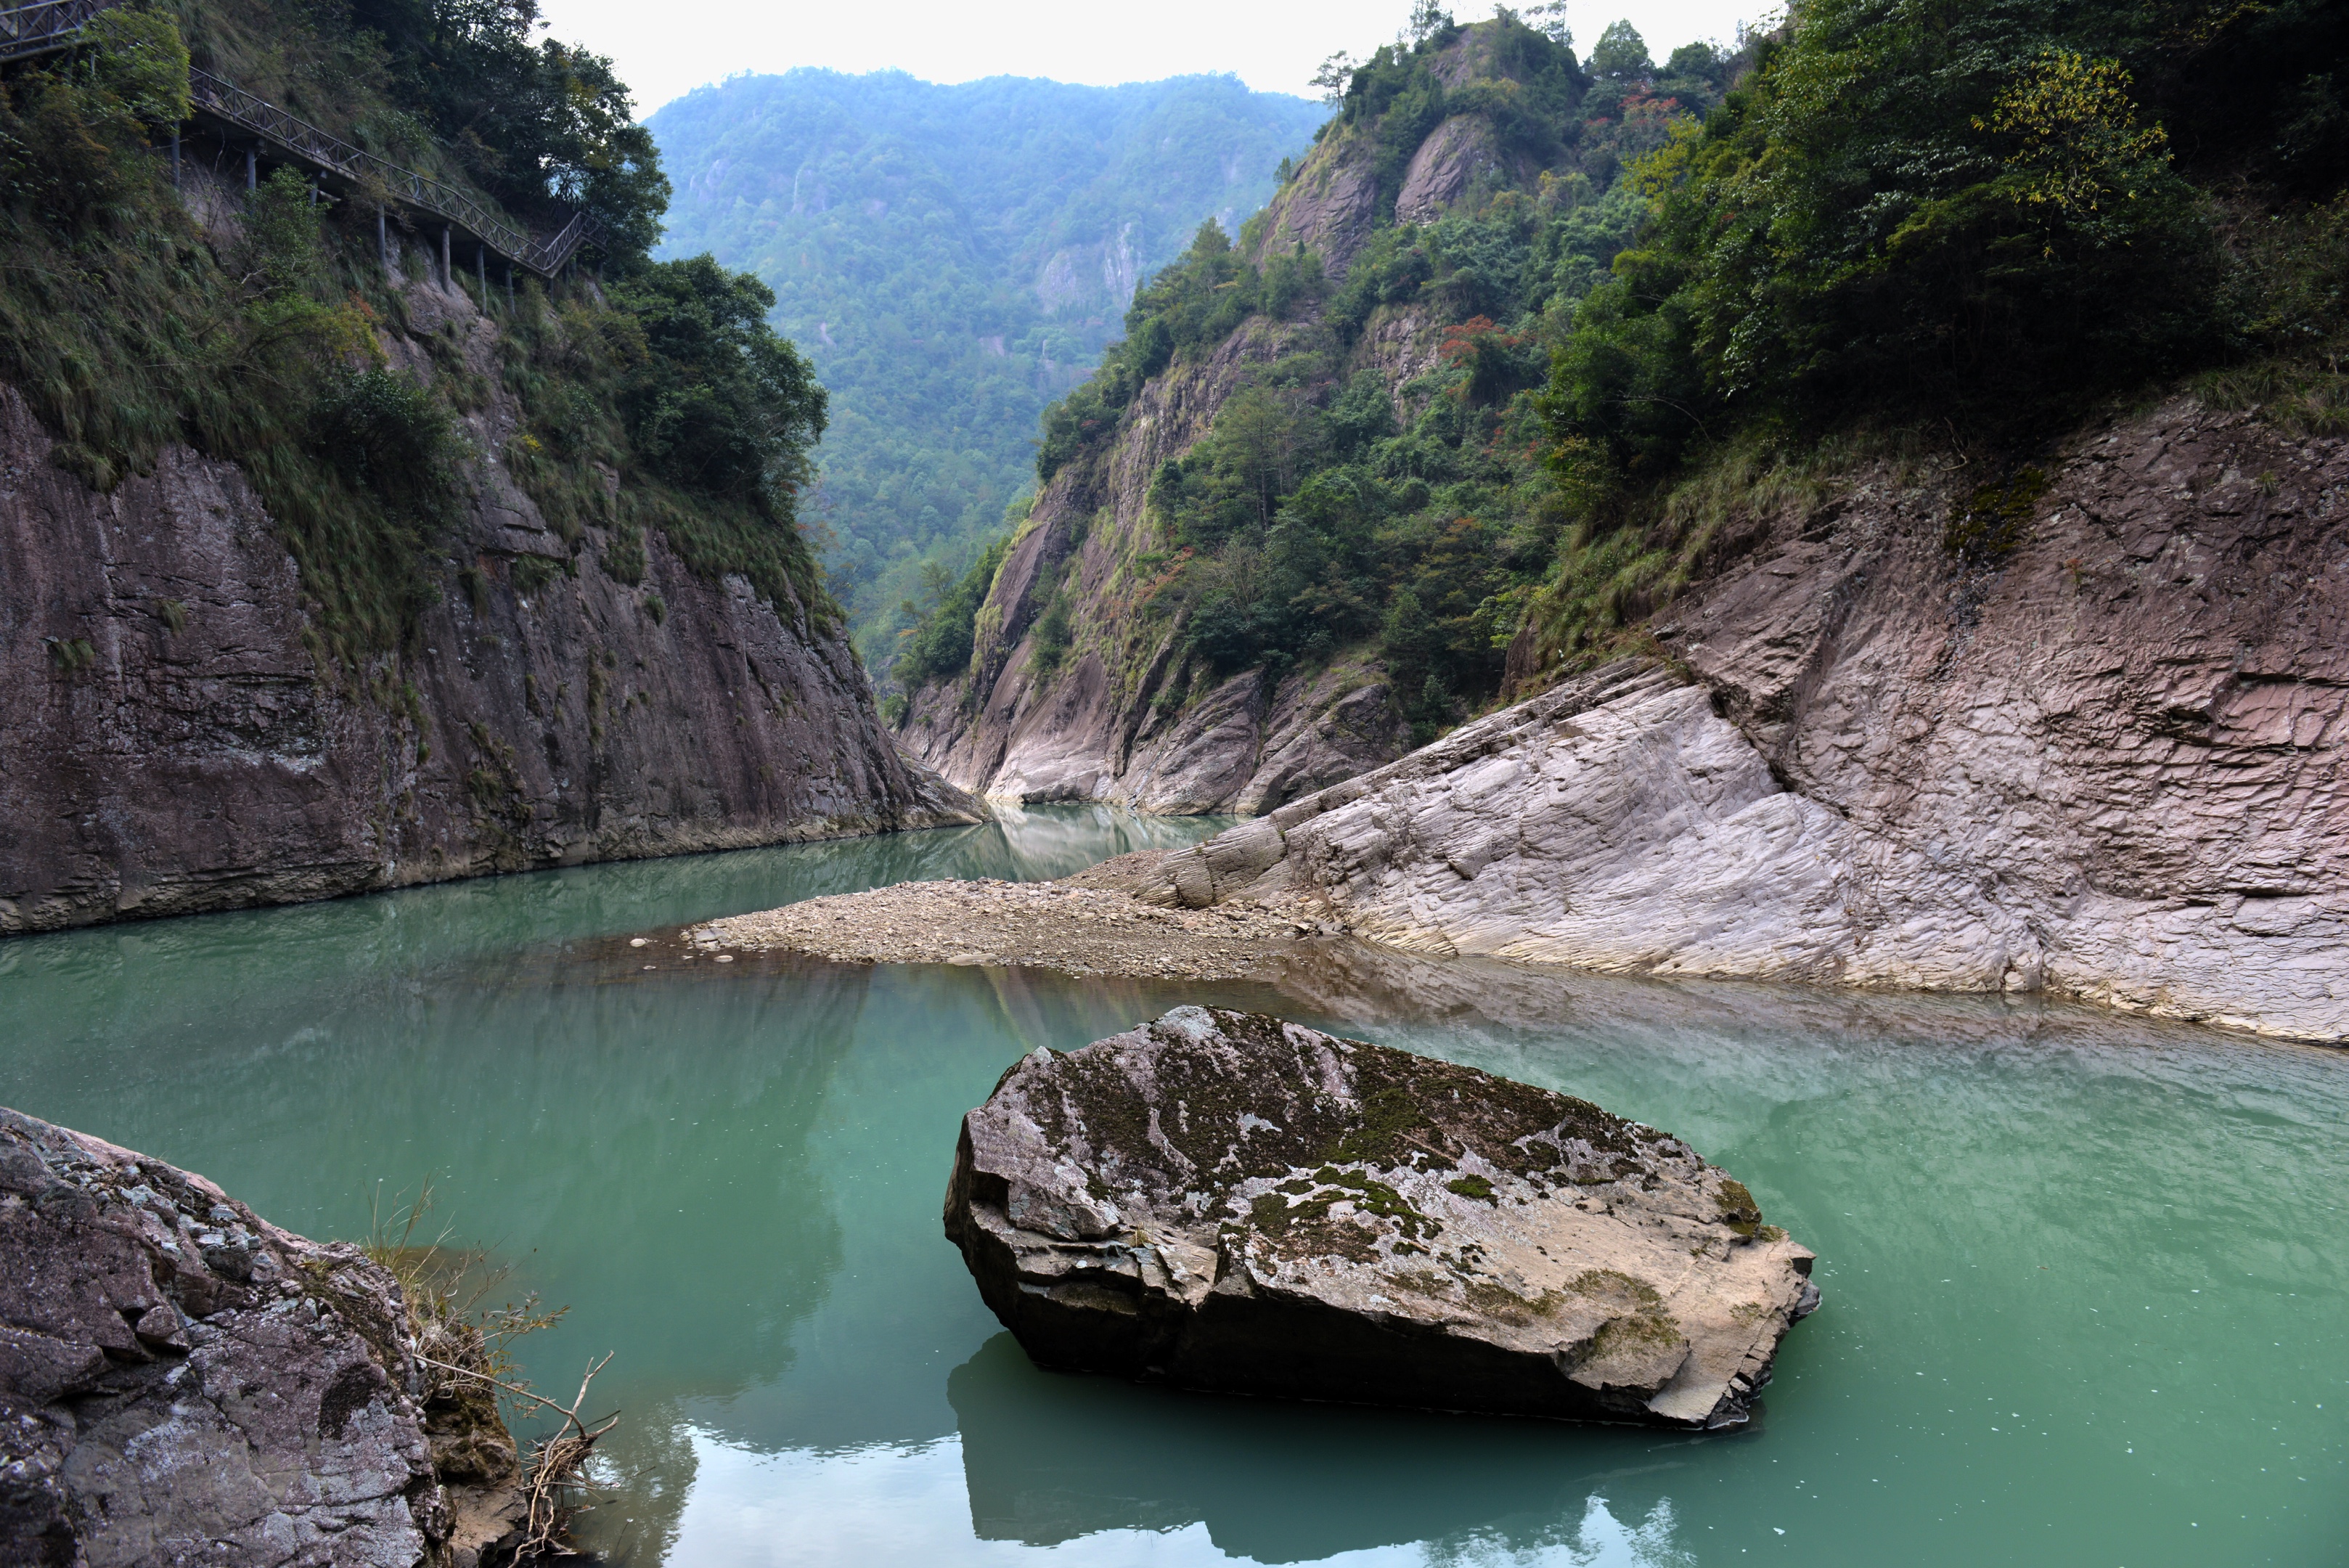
(953, 258)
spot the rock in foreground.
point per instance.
(1226, 1201)
(181, 1382)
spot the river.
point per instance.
(2086, 1278)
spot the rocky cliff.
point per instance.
(183, 1382)
(1127, 715)
(1131, 713)
(1285, 529)
(170, 741)
(2103, 759)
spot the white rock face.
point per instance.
(1617, 823)
(1641, 835)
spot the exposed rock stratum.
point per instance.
(1226, 1201)
(2107, 766)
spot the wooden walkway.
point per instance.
(29, 30)
(240, 117)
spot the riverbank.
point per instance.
(1089, 924)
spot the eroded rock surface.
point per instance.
(2108, 765)
(181, 1382)
(1226, 1201)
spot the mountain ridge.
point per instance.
(1333, 329)
(952, 257)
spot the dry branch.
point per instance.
(558, 1465)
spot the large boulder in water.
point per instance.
(1226, 1201)
(183, 1382)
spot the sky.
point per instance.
(1273, 46)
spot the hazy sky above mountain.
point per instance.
(1275, 46)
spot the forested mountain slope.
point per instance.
(952, 259)
(1292, 522)
(325, 568)
(1947, 584)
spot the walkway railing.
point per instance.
(224, 100)
(29, 30)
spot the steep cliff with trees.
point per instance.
(1290, 524)
(1949, 585)
(324, 566)
(1531, 347)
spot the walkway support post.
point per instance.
(445, 274)
(382, 240)
(509, 287)
(482, 269)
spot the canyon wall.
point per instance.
(2107, 765)
(169, 742)
(1117, 719)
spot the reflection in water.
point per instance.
(2084, 1290)
(1048, 1458)
(885, 1507)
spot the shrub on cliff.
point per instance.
(1978, 213)
(937, 647)
(719, 402)
(1185, 311)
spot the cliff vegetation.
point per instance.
(133, 320)
(1379, 482)
(1953, 229)
(1588, 313)
(952, 258)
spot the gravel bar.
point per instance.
(1066, 926)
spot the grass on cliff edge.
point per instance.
(130, 329)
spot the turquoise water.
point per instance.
(2086, 1277)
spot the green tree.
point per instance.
(1914, 210)
(719, 403)
(541, 125)
(143, 61)
(1621, 54)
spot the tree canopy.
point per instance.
(532, 121)
(1983, 212)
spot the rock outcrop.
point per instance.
(1226, 1201)
(181, 1382)
(170, 742)
(2107, 766)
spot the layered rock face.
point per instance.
(2108, 765)
(183, 1382)
(202, 758)
(1226, 1201)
